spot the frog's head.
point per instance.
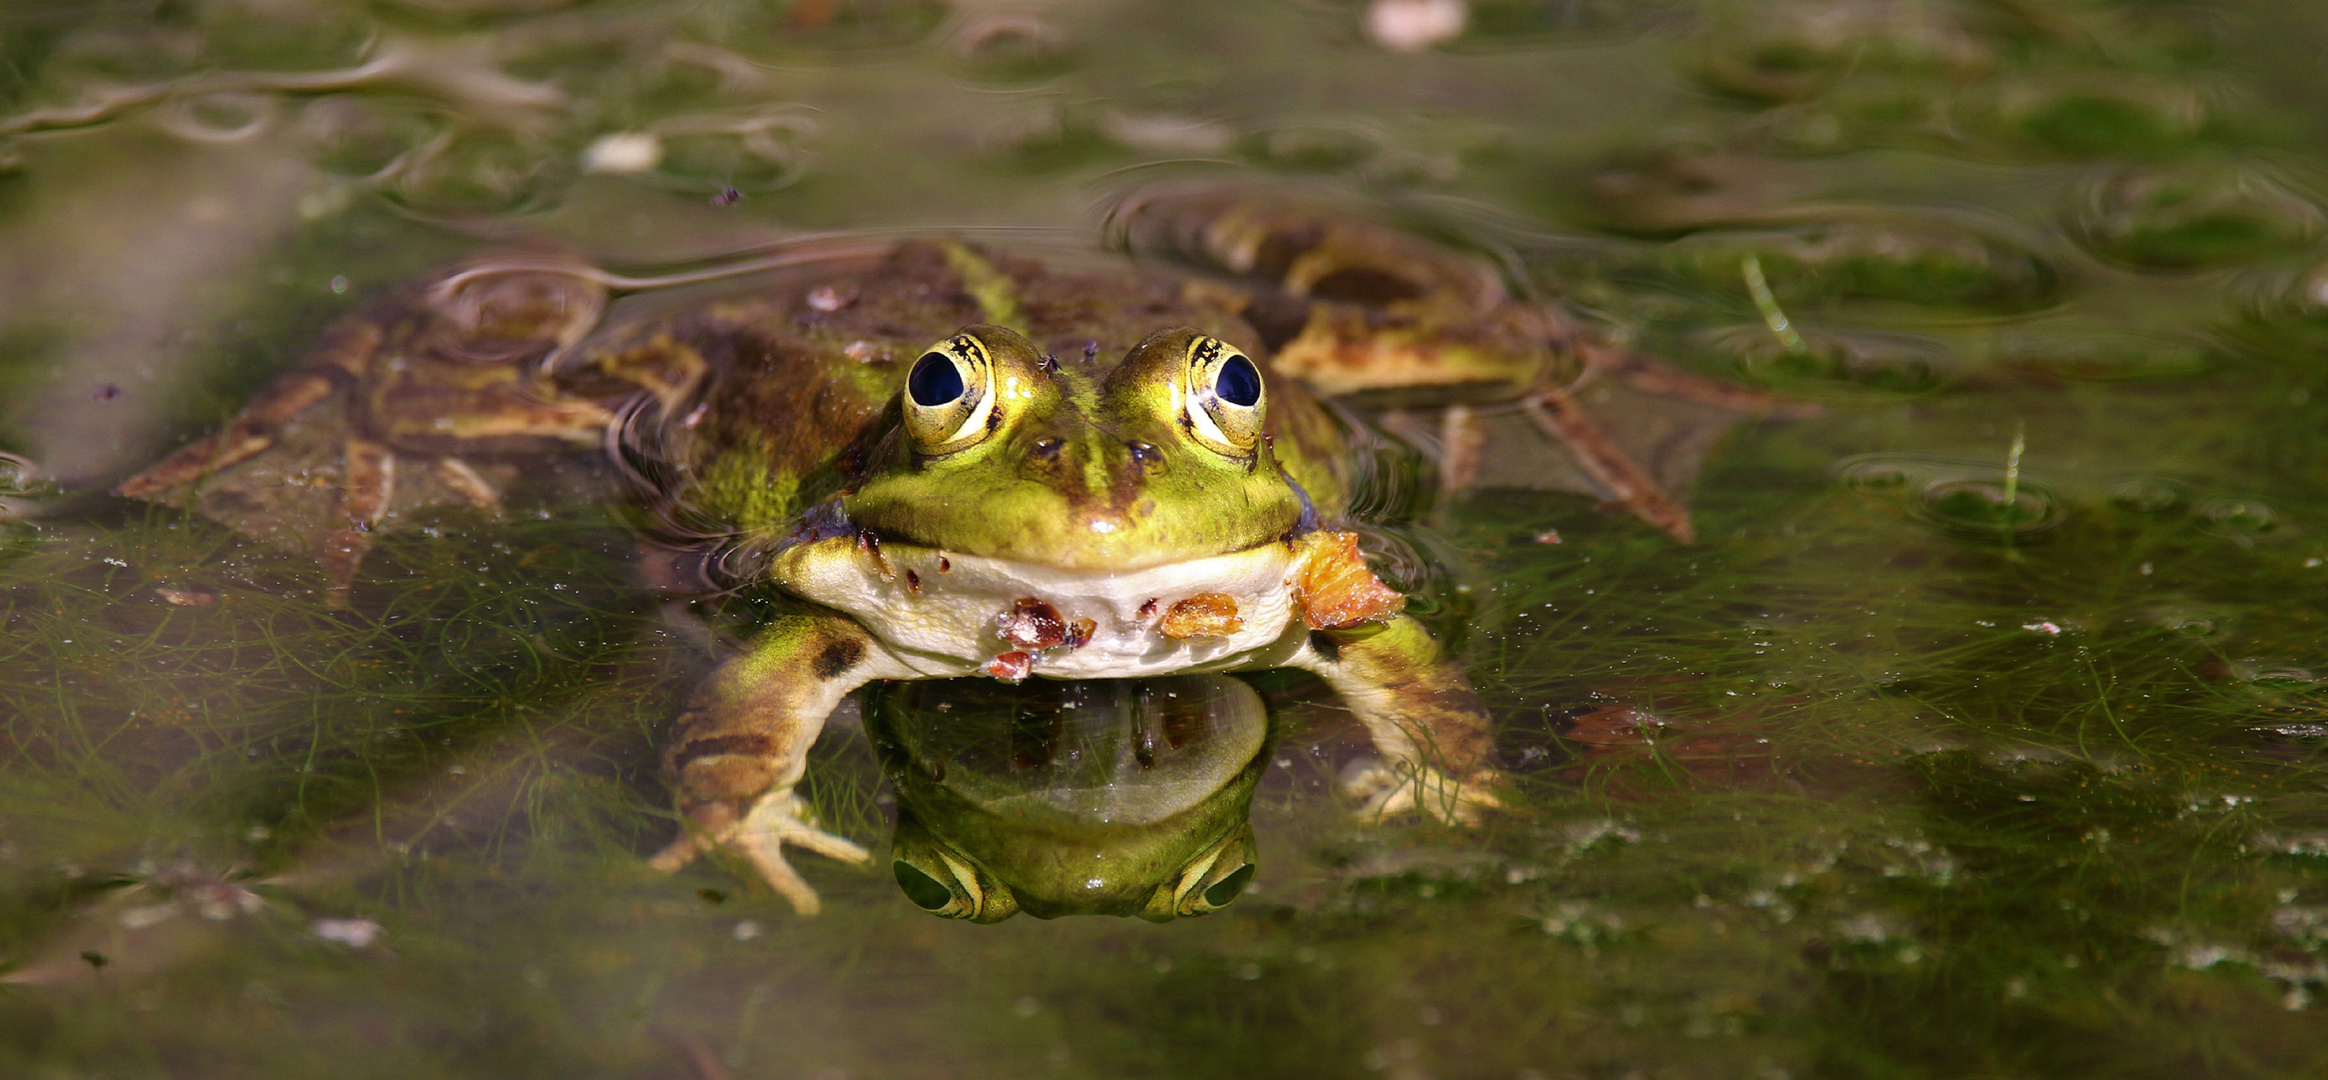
(999, 450)
(1109, 797)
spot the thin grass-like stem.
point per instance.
(1773, 316)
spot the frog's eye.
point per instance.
(1212, 881)
(1224, 397)
(947, 886)
(949, 395)
(1220, 893)
(926, 892)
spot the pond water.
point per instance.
(1979, 733)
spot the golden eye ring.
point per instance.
(949, 395)
(1225, 397)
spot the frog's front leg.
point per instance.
(736, 754)
(1420, 714)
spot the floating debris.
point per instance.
(356, 933)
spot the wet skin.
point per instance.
(954, 461)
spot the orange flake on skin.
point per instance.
(1209, 614)
(1336, 589)
(1011, 666)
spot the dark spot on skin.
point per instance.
(912, 581)
(1079, 633)
(716, 745)
(1050, 364)
(1324, 645)
(1148, 610)
(108, 392)
(712, 896)
(837, 658)
(945, 565)
(1090, 351)
(727, 197)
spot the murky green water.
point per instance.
(1892, 773)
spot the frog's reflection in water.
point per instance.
(1106, 797)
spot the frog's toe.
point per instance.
(1383, 790)
(777, 819)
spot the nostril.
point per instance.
(1145, 453)
(1049, 447)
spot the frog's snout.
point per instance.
(1089, 467)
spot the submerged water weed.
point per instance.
(172, 689)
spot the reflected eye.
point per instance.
(926, 892)
(949, 396)
(1212, 881)
(1228, 888)
(1225, 394)
(940, 881)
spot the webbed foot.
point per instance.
(1383, 790)
(777, 818)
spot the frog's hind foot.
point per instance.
(365, 496)
(758, 836)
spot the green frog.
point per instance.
(953, 460)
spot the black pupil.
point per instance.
(934, 382)
(1238, 383)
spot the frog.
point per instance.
(942, 458)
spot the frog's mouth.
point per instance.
(947, 613)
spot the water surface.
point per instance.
(1891, 774)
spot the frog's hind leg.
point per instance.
(364, 497)
(1559, 415)
(1659, 378)
(333, 364)
(471, 485)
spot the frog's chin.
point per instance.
(948, 613)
